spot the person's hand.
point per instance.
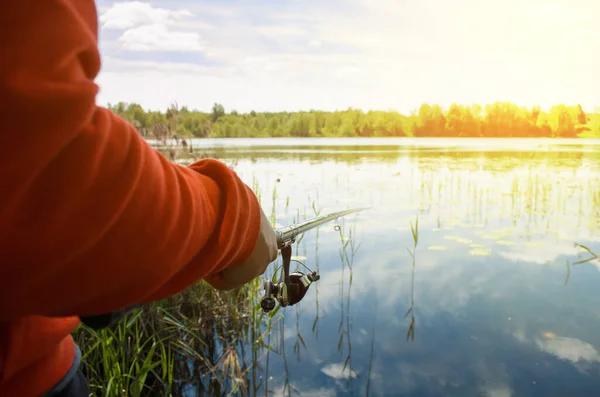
(263, 254)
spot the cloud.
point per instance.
(337, 371)
(550, 253)
(359, 53)
(157, 38)
(539, 255)
(146, 28)
(434, 275)
(282, 391)
(115, 65)
(279, 31)
(570, 349)
(582, 355)
(133, 14)
(504, 391)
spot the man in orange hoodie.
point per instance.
(92, 219)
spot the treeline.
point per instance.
(500, 119)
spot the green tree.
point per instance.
(499, 119)
(218, 111)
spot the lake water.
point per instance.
(499, 308)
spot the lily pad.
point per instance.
(493, 236)
(464, 240)
(437, 248)
(298, 258)
(480, 252)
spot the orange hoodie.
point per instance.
(92, 219)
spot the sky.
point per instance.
(291, 55)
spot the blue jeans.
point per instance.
(74, 384)
(76, 387)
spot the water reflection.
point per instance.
(496, 230)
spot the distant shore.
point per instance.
(190, 145)
(497, 120)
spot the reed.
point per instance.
(414, 229)
(198, 342)
(193, 341)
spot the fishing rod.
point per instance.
(293, 287)
(287, 292)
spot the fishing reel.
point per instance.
(292, 288)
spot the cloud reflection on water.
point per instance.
(570, 349)
(478, 318)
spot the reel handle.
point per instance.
(267, 302)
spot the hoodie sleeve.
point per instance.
(93, 219)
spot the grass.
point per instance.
(193, 338)
(192, 342)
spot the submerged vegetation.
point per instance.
(500, 119)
